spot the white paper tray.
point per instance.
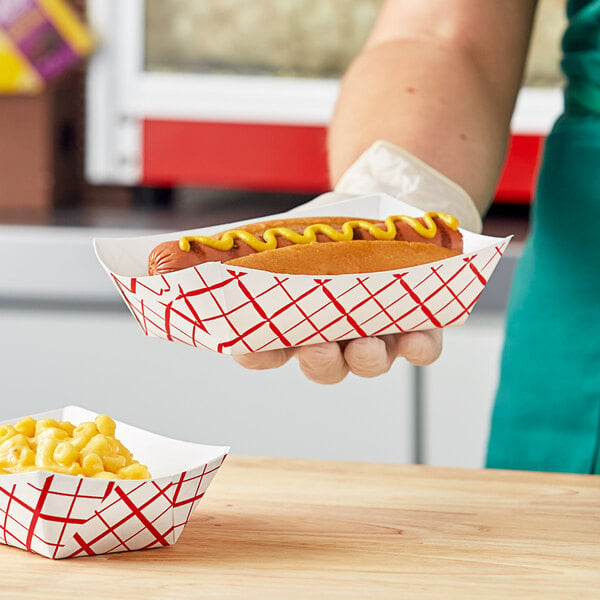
(63, 516)
(233, 310)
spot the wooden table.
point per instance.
(272, 528)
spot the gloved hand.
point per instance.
(365, 357)
(386, 168)
(381, 168)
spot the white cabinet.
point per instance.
(458, 392)
(66, 338)
(99, 359)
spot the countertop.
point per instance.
(276, 528)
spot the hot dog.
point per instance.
(318, 245)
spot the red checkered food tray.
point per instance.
(233, 310)
(63, 516)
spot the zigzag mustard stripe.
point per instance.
(426, 229)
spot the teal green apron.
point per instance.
(547, 411)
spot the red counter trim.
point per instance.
(517, 182)
(233, 155)
(287, 158)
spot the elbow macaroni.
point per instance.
(89, 449)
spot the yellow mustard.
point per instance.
(426, 229)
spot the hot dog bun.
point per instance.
(259, 245)
(358, 256)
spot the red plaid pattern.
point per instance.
(59, 516)
(234, 311)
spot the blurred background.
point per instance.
(121, 118)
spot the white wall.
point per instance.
(458, 392)
(66, 338)
(100, 360)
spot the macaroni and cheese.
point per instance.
(89, 449)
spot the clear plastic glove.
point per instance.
(381, 168)
(386, 168)
(366, 357)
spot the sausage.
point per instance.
(252, 239)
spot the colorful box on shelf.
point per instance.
(64, 516)
(233, 310)
(39, 41)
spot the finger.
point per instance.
(269, 359)
(323, 363)
(369, 356)
(420, 347)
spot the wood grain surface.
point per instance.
(274, 528)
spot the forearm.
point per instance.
(444, 103)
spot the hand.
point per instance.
(366, 357)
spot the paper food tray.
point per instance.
(63, 516)
(233, 310)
